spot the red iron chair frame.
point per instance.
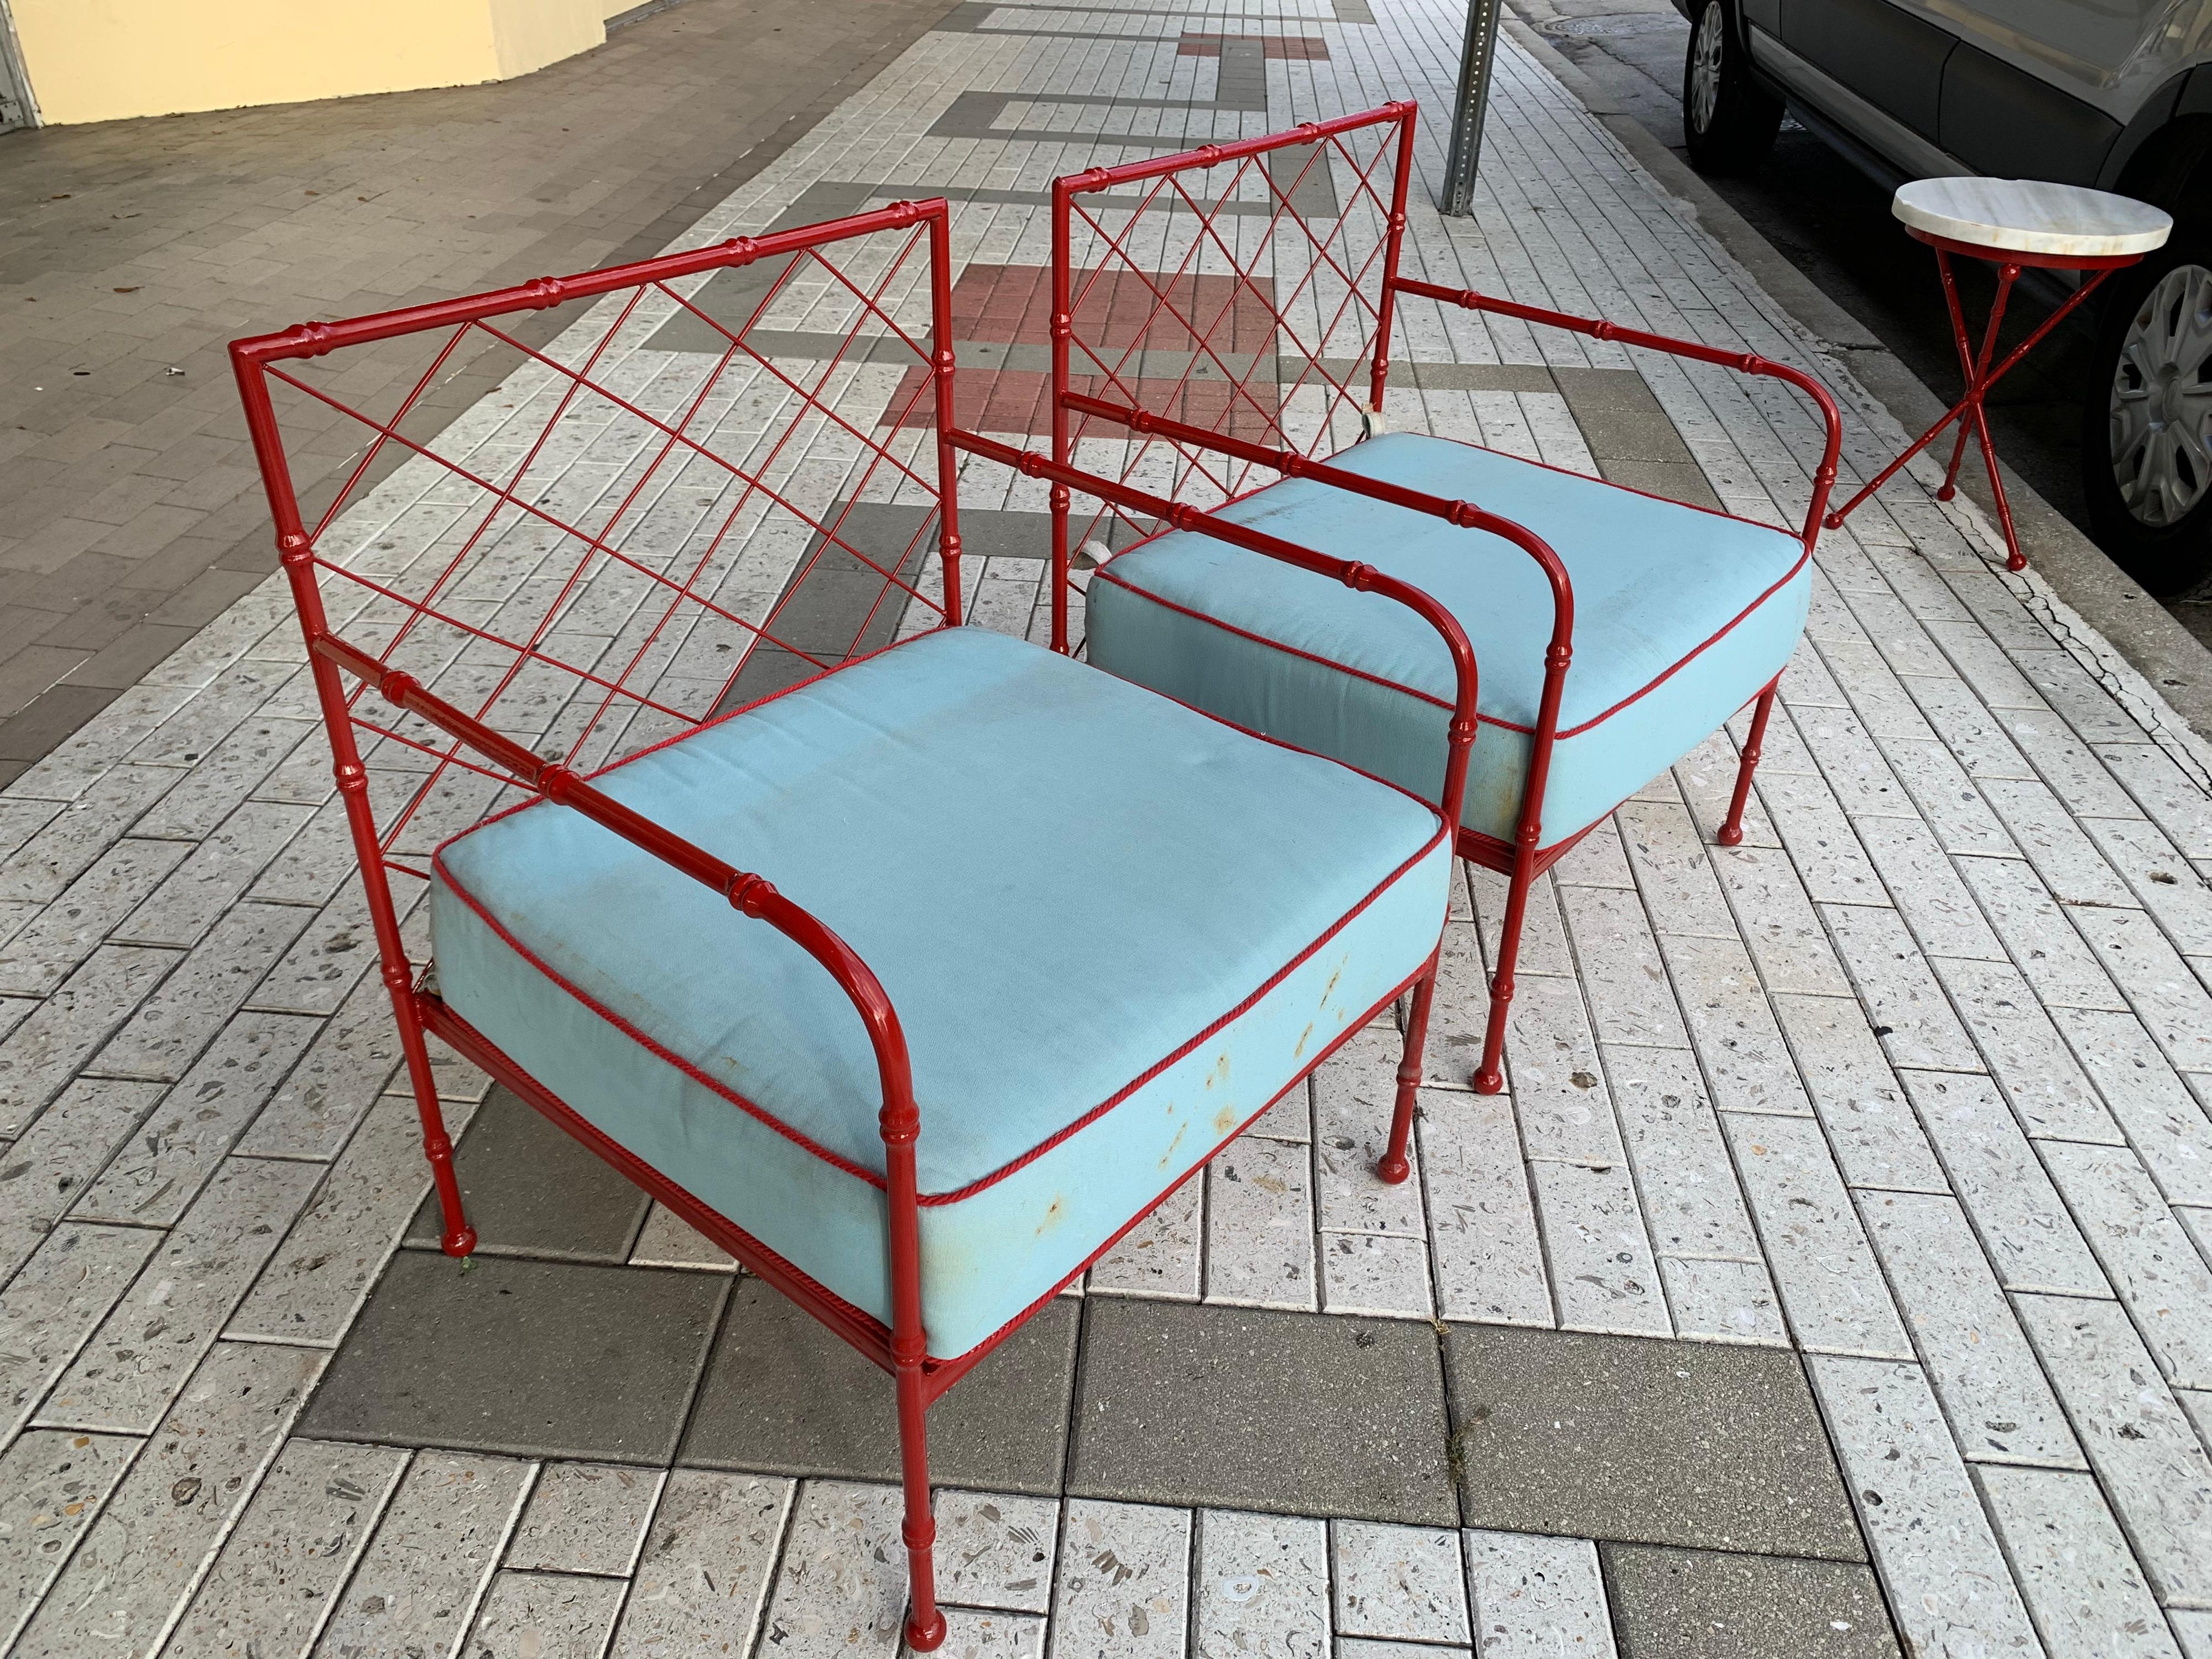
(457, 741)
(1528, 856)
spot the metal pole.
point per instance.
(1466, 113)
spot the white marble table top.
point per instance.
(2031, 215)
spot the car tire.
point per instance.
(1729, 120)
(2147, 418)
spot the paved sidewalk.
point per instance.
(1831, 1282)
(131, 252)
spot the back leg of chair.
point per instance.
(459, 1238)
(1489, 1076)
(925, 1620)
(1731, 832)
(1394, 1166)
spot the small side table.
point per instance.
(2012, 223)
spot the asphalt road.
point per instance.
(1834, 223)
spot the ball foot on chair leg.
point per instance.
(926, 1639)
(1731, 834)
(459, 1243)
(1945, 493)
(1833, 521)
(1393, 1169)
(2017, 563)
(1489, 1082)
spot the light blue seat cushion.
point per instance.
(1680, 616)
(1113, 929)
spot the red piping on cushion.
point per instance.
(1702, 647)
(1162, 1065)
(1587, 477)
(1104, 575)
(678, 737)
(1342, 1037)
(668, 1056)
(758, 702)
(1285, 744)
(628, 1164)
(1668, 672)
(835, 1160)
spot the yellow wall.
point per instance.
(97, 60)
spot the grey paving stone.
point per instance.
(585, 1517)
(52, 1485)
(1400, 1582)
(130, 1577)
(1252, 1409)
(1534, 1597)
(556, 1615)
(783, 1395)
(994, 1551)
(2083, 1587)
(56, 1302)
(273, 1583)
(1700, 1604)
(1260, 1585)
(418, 1585)
(531, 1189)
(354, 1056)
(1123, 1587)
(667, 1240)
(144, 1350)
(841, 1588)
(1644, 1441)
(703, 1576)
(42, 1174)
(536, 1358)
(161, 1167)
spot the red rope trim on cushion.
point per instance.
(836, 1161)
(1104, 573)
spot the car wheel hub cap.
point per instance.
(2161, 401)
(1705, 68)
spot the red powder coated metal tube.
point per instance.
(313, 339)
(1361, 578)
(1747, 363)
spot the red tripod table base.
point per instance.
(2013, 224)
(1969, 413)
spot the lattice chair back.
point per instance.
(1244, 294)
(592, 513)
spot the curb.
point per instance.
(2176, 664)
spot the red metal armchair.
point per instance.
(576, 663)
(1209, 326)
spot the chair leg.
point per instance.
(1490, 1077)
(925, 1621)
(1394, 1166)
(1731, 831)
(459, 1237)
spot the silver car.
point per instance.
(2113, 93)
